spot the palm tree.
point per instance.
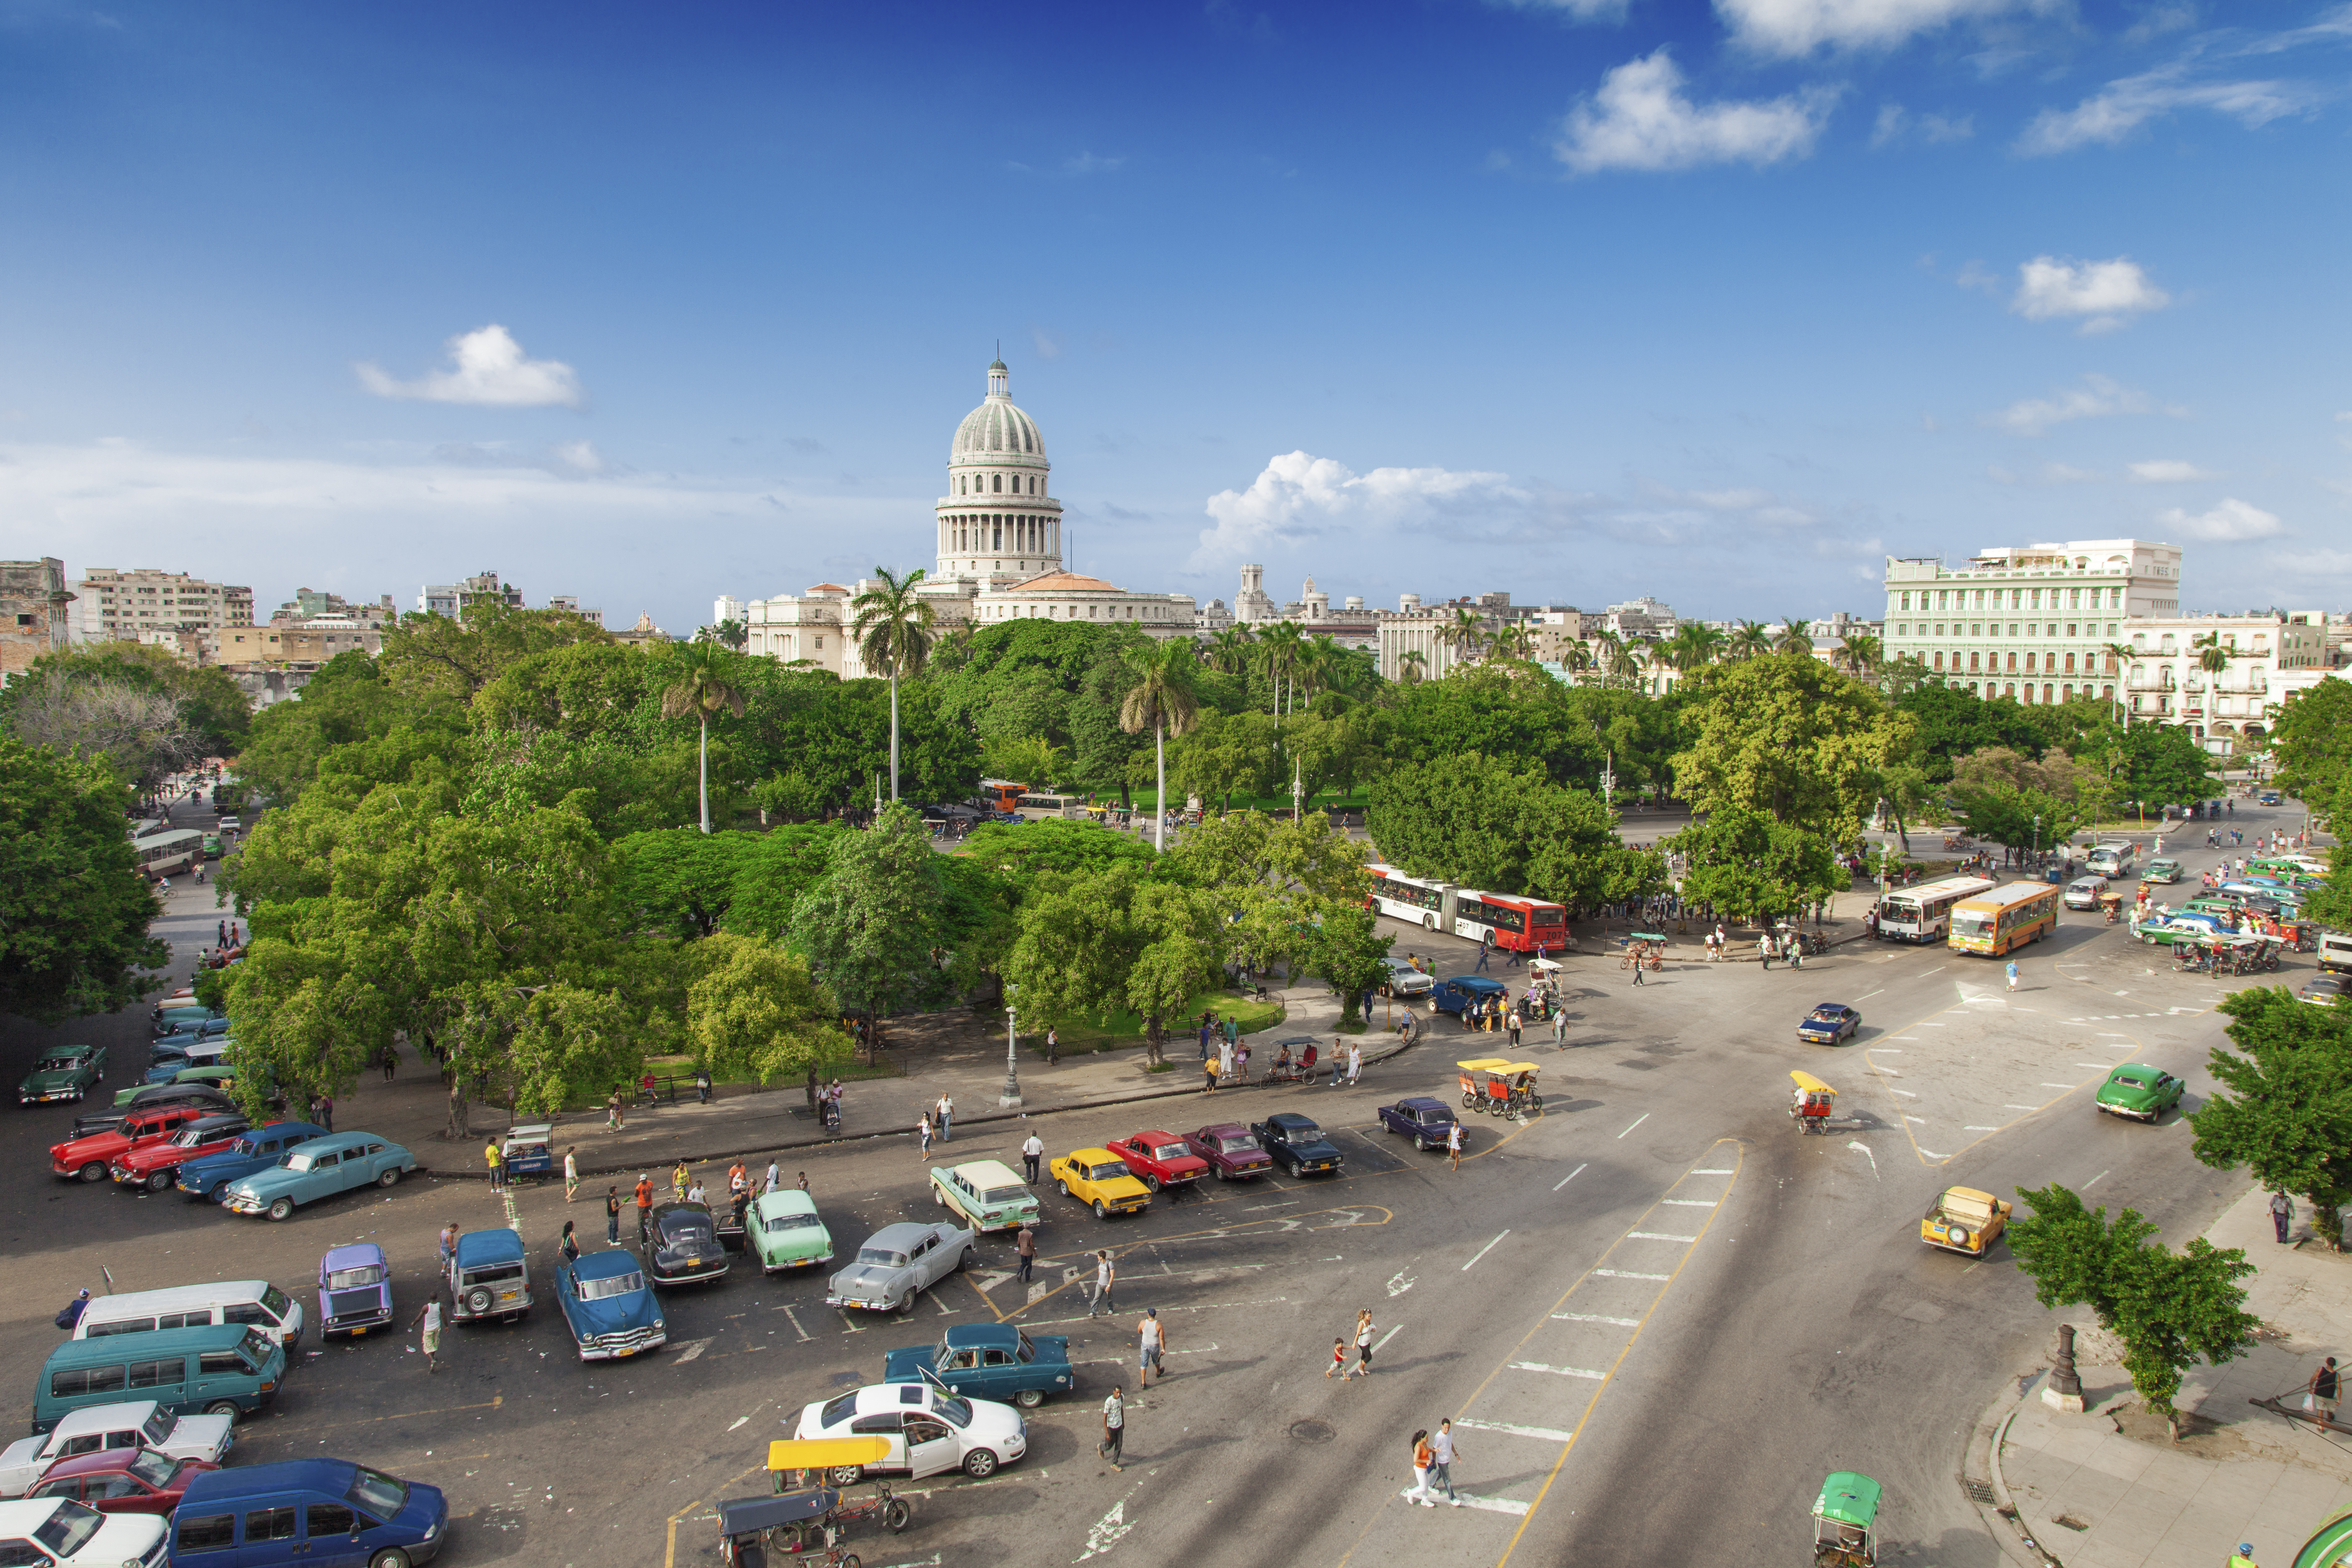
(1577, 657)
(1796, 637)
(1281, 642)
(1160, 699)
(2120, 655)
(1625, 662)
(893, 629)
(1748, 640)
(1706, 644)
(702, 689)
(1463, 633)
(1229, 649)
(1409, 666)
(2214, 659)
(1861, 656)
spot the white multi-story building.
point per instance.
(448, 599)
(2029, 622)
(117, 606)
(2270, 658)
(1644, 618)
(1348, 624)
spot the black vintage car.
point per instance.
(1298, 1145)
(684, 1247)
(1427, 1122)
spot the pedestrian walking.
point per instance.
(1441, 1454)
(1114, 1436)
(1208, 1076)
(611, 1217)
(1513, 1024)
(2319, 1396)
(1764, 952)
(1104, 1276)
(1154, 1340)
(1638, 966)
(946, 1109)
(1053, 1042)
(1421, 1459)
(1560, 1030)
(694, 1192)
(613, 1117)
(2283, 1215)
(1453, 1142)
(571, 1174)
(327, 1112)
(2013, 974)
(1024, 1247)
(2243, 1557)
(495, 1157)
(429, 1317)
(1485, 952)
(644, 1208)
(224, 934)
(569, 1246)
(1031, 1151)
(391, 1062)
(448, 1247)
(679, 1179)
(1364, 1367)
(1355, 1064)
(804, 1181)
(739, 1180)
(923, 1134)
(1339, 1359)
(774, 1177)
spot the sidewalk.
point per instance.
(2106, 1489)
(414, 1110)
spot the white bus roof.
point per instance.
(1950, 887)
(2015, 893)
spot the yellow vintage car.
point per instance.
(1965, 1220)
(1100, 1179)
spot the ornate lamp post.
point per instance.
(1011, 1095)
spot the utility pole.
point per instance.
(1011, 1095)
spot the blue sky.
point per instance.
(1581, 301)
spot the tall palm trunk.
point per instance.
(1160, 817)
(705, 750)
(894, 734)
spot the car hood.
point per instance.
(1316, 1148)
(124, 1538)
(1122, 1187)
(55, 1078)
(612, 1314)
(198, 1437)
(270, 1179)
(1819, 1026)
(97, 1146)
(166, 1153)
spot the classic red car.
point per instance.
(122, 1480)
(89, 1157)
(1232, 1151)
(156, 1165)
(1160, 1160)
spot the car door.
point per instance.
(330, 1536)
(889, 1423)
(1000, 1376)
(931, 1448)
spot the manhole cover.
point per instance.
(1312, 1431)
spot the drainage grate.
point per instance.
(1312, 1431)
(1978, 1491)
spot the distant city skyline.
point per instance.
(1581, 301)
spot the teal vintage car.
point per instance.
(786, 1233)
(320, 1168)
(987, 1361)
(2139, 1091)
(64, 1072)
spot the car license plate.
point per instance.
(619, 1354)
(358, 1332)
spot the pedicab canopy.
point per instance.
(826, 1453)
(1810, 1084)
(2331, 1546)
(1482, 1064)
(1848, 1498)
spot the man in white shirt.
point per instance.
(1441, 1469)
(430, 1317)
(775, 1178)
(1031, 1151)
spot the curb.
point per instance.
(1998, 1417)
(830, 1140)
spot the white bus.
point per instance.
(1049, 807)
(166, 853)
(1430, 905)
(1925, 914)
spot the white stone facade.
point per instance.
(2017, 621)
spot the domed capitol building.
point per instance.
(998, 554)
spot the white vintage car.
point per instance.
(134, 1423)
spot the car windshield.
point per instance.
(2128, 1081)
(882, 1255)
(618, 1285)
(295, 1162)
(377, 1493)
(56, 1064)
(1105, 1169)
(1237, 1144)
(69, 1530)
(957, 1412)
(152, 1467)
(1826, 1015)
(1170, 1151)
(352, 1278)
(777, 1222)
(687, 1226)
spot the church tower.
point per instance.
(998, 525)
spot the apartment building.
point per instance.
(449, 599)
(285, 650)
(570, 604)
(34, 612)
(311, 605)
(112, 605)
(2029, 622)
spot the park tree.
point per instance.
(1160, 701)
(752, 1009)
(345, 719)
(894, 634)
(2163, 765)
(1785, 736)
(136, 730)
(1744, 863)
(1114, 941)
(1485, 823)
(2314, 742)
(2284, 1110)
(457, 658)
(2172, 1310)
(74, 910)
(1228, 755)
(869, 925)
(699, 683)
(1024, 850)
(678, 880)
(2018, 818)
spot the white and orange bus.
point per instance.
(1925, 914)
(2004, 919)
(1514, 922)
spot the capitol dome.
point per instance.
(996, 432)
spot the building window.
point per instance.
(2070, 664)
(1939, 662)
(999, 486)
(2029, 664)
(2012, 661)
(2045, 693)
(1906, 603)
(1972, 661)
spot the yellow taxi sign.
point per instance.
(825, 1453)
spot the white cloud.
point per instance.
(487, 366)
(2231, 521)
(2170, 471)
(1896, 124)
(2096, 398)
(1640, 120)
(2102, 292)
(583, 456)
(2066, 474)
(2108, 117)
(1299, 496)
(1800, 27)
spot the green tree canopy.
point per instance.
(867, 928)
(1785, 736)
(1101, 943)
(1482, 823)
(73, 908)
(1744, 863)
(2285, 1109)
(456, 658)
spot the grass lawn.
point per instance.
(1085, 1035)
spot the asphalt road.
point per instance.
(1656, 1313)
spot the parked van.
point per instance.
(228, 1371)
(2335, 953)
(256, 1303)
(2112, 861)
(304, 1511)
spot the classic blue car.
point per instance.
(1449, 995)
(608, 1306)
(209, 1177)
(1298, 1145)
(1831, 1023)
(319, 1168)
(203, 1054)
(192, 1021)
(1419, 1117)
(354, 1289)
(988, 1360)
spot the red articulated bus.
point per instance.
(1520, 924)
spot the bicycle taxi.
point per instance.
(1646, 947)
(1844, 1516)
(1816, 1103)
(805, 1514)
(1498, 1088)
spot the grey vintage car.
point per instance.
(897, 1263)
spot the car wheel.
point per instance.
(1223, 1175)
(159, 1182)
(1030, 1398)
(282, 1208)
(963, 1259)
(227, 1407)
(1064, 1186)
(979, 1464)
(93, 1172)
(847, 1475)
(390, 1178)
(390, 1557)
(906, 1301)
(478, 1300)
(938, 1197)
(1151, 1183)
(1101, 1211)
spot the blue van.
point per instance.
(319, 1513)
(1449, 995)
(227, 1369)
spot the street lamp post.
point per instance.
(1011, 1095)
(2037, 841)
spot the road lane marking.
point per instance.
(1483, 1250)
(1868, 994)
(1560, 1371)
(2021, 1108)
(2094, 1181)
(1491, 1504)
(1399, 1283)
(1569, 1177)
(793, 1317)
(1710, 1171)
(2095, 1067)
(1627, 1274)
(1909, 1093)
(1597, 1318)
(688, 1351)
(1657, 1236)
(1976, 1129)
(1548, 1434)
(2047, 1084)
(1920, 1119)
(1933, 1155)
(1693, 1203)
(1637, 1122)
(1386, 1338)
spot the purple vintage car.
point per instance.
(354, 1290)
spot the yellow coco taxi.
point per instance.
(1099, 1178)
(1965, 1220)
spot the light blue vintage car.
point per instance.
(608, 1306)
(319, 1168)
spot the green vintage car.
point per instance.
(786, 1233)
(2140, 1092)
(2162, 870)
(212, 847)
(985, 1194)
(65, 1072)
